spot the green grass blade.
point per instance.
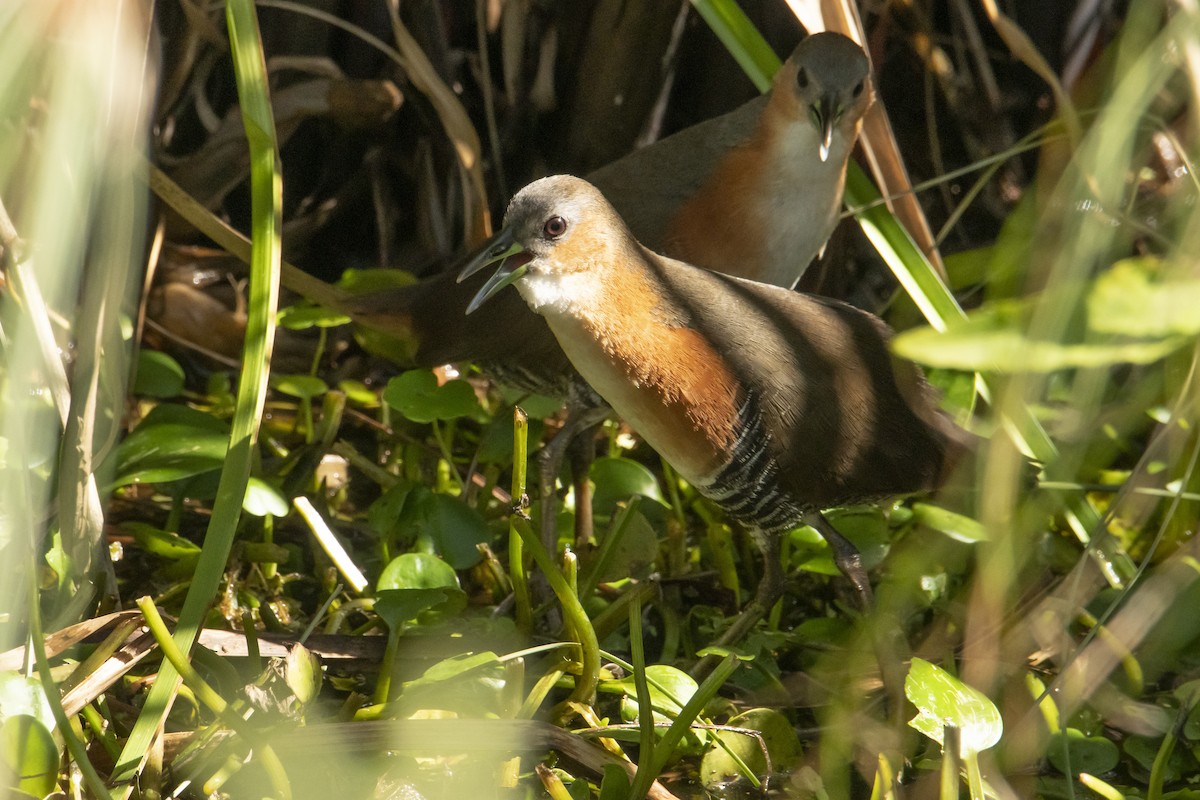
(266, 200)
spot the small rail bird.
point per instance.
(772, 403)
(754, 193)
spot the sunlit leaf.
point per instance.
(28, 749)
(305, 387)
(263, 499)
(417, 396)
(162, 543)
(957, 526)
(298, 318)
(416, 571)
(20, 695)
(994, 339)
(302, 671)
(173, 442)
(669, 687)
(941, 700)
(1134, 298)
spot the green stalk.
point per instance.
(266, 209)
(516, 550)
(209, 697)
(574, 616)
(637, 650)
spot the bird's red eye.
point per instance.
(802, 78)
(554, 227)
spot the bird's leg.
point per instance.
(583, 415)
(770, 589)
(845, 556)
(582, 452)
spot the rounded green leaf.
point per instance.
(305, 387)
(1072, 752)
(720, 765)
(303, 674)
(670, 688)
(28, 749)
(447, 525)
(618, 479)
(158, 375)
(417, 396)
(416, 571)
(397, 607)
(263, 499)
(941, 700)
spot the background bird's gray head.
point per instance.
(831, 77)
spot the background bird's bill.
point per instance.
(513, 262)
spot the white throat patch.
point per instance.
(557, 293)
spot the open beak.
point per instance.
(825, 115)
(513, 259)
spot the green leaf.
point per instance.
(160, 542)
(618, 479)
(634, 555)
(719, 764)
(415, 583)
(398, 607)
(865, 526)
(263, 499)
(298, 318)
(956, 526)
(305, 387)
(670, 689)
(1134, 298)
(417, 396)
(363, 281)
(941, 700)
(173, 442)
(455, 667)
(615, 783)
(28, 750)
(20, 695)
(385, 514)
(994, 339)
(359, 393)
(158, 375)
(416, 571)
(303, 674)
(1092, 754)
(445, 525)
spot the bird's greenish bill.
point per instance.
(825, 116)
(513, 260)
